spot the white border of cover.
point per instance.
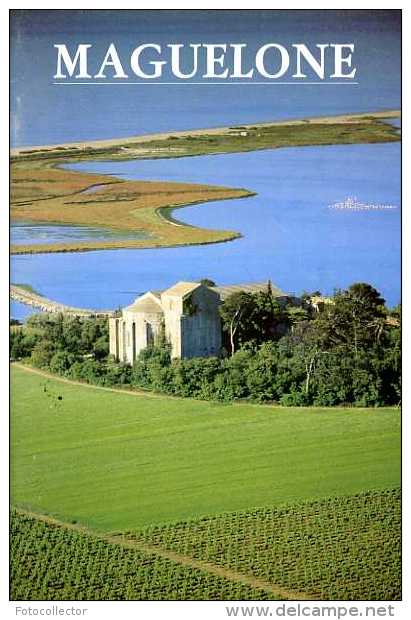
(188, 610)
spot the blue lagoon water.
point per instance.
(289, 232)
(22, 233)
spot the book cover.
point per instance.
(205, 305)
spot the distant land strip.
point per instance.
(107, 144)
(43, 192)
(28, 297)
(25, 294)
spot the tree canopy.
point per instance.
(348, 352)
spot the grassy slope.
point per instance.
(116, 461)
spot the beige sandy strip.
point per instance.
(35, 300)
(342, 118)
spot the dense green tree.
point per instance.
(262, 372)
(356, 317)
(194, 377)
(42, 353)
(252, 318)
(61, 362)
(117, 374)
(71, 337)
(151, 368)
(22, 342)
(235, 314)
(100, 347)
(236, 370)
(348, 353)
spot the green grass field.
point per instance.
(118, 461)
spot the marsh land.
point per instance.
(44, 192)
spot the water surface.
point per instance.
(45, 113)
(26, 233)
(289, 233)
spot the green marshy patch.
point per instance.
(258, 138)
(358, 129)
(27, 287)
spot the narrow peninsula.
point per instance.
(44, 192)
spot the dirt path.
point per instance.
(162, 396)
(49, 375)
(248, 580)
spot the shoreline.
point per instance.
(338, 118)
(147, 206)
(22, 295)
(140, 206)
(106, 246)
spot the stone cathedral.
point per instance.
(186, 314)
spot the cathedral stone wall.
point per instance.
(187, 314)
(201, 329)
(113, 337)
